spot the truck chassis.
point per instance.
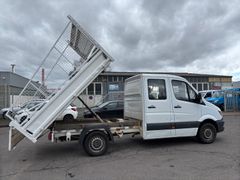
(93, 135)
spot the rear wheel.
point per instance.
(207, 133)
(68, 117)
(96, 143)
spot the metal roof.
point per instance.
(173, 73)
(13, 79)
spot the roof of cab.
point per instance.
(154, 76)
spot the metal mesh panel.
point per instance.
(80, 43)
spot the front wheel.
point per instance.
(96, 143)
(207, 133)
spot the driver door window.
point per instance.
(183, 91)
(180, 90)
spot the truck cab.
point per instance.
(169, 106)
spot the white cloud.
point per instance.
(176, 36)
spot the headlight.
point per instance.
(220, 112)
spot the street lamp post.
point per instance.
(13, 71)
(13, 68)
(5, 92)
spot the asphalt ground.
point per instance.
(128, 158)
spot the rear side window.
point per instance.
(156, 89)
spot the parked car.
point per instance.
(26, 105)
(26, 110)
(217, 99)
(109, 109)
(207, 93)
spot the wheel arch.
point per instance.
(211, 121)
(95, 128)
(68, 114)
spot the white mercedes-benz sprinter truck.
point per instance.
(155, 105)
(168, 106)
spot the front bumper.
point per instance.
(220, 125)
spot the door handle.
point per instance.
(177, 106)
(151, 107)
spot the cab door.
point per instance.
(158, 111)
(186, 109)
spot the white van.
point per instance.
(169, 106)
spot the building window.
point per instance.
(200, 87)
(113, 87)
(110, 78)
(94, 89)
(104, 78)
(114, 78)
(205, 86)
(91, 89)
(98, 88)
(120, 79)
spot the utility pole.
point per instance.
(5, 91)
(13, 68)
(11, 91)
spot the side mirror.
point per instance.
(199, 98)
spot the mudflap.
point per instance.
(14, 138)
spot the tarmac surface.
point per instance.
(128, 158)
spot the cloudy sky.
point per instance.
(141, 35)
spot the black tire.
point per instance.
(207, 133)
(96, 143)
(68, 117)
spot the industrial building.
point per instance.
(11, 84)
(110, 85)
(107, 86)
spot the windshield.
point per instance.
(218, 94)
